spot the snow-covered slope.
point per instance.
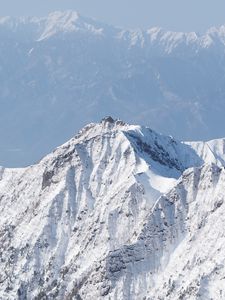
(212, 151)
(118, 212)
(61, 72)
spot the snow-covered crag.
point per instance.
(63, 71)
(118, 212)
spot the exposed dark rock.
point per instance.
(47, 179)
(108, 119)
(156, 152)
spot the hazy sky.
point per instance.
(184, 15)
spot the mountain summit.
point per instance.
(63, 71)
(117, 212)
(66, 22)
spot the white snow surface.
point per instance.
(117, 212)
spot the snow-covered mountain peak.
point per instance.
(151, 153)
(63, 20)
(219, 31)
(109, 214)
(67, 22)
(64, 16)
(107, 125)
(172, 40)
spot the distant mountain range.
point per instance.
(63, 71)
(117, 212)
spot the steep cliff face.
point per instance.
(179, 253)
(118, 212)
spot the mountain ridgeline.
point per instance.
(117, 212)
(63, 71)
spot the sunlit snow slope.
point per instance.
(118, 212)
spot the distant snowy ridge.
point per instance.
(69, 21)
(63, 71)
(117, 212)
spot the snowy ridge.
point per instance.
(211, 151)
(67, 70)
(117, 212)
(71, 21)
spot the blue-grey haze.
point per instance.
(180, 15)
(53, 81)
